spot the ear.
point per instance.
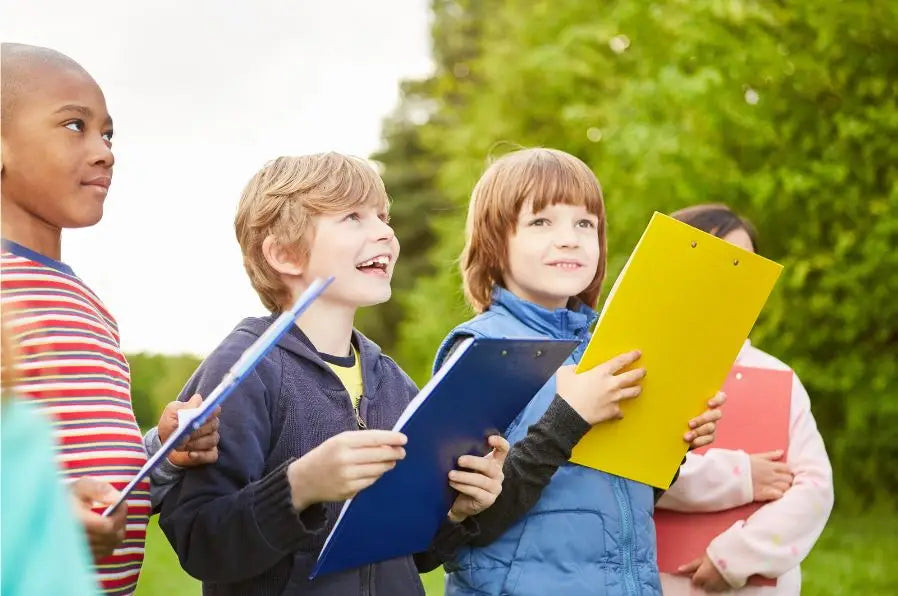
(280, 259)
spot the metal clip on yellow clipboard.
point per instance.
(687, 300)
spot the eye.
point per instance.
(586, 223)
(354, 216)
(384, 217)
(107, 136)
(75, 125)
(539, 222)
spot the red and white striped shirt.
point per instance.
(71, 364)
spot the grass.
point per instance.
(162, 574)
(855, 555)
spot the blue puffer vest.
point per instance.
(590, 532)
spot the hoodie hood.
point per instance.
(294, 343)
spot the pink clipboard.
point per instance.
(755, 419)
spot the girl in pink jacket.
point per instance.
(798, 494)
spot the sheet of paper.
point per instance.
(187, 415)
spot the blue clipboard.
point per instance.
(246, 363)
(478, 392)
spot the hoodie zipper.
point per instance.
(358, 415)
(366, 573)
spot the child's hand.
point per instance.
(596, 394)
(201, 447)
(705, 425)
(343, 465)
(104, 534)
(770, 479)
(705, 575)
(480, 488)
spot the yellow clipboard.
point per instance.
(687, 300)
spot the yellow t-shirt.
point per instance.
(351, 377)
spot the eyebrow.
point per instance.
(83, 110)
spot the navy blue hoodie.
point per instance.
(233, 524)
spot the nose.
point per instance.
(101, 153)
(383, 231)
(566, 237)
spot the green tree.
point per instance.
(412, 158)
(156, 380)
(787, 112)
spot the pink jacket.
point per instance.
(775, 539)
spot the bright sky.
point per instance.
(203, 93)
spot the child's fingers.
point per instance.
(705, 417)
(203, 457)
(209, 427)
(628, 392)
(369, 471)
(501, 447)
(699, 442)
(619, 362)
(203, 443)
(488, 483)
(630, 377)
(96, 526)
(771, 455)
(90, 491)
(371, 438)
(718, 400)
(689, 568)
(356, 486)
(781, 485)
(781, 468)
(371, 455)
(705, 429)
(703, 434)
(478, 494)
(784, 477)
(769, 493)
(483, 465)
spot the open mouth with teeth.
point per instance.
(378, 264)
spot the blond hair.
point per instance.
(281, 199)
(545, 177)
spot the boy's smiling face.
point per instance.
(56, 146)
(360, 249)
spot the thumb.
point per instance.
(194, 402)
(690, 567)
(90, 491)
(772, 494)
(771, 455)
(500, 448)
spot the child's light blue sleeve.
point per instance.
(165, 475)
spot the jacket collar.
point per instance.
(560, 323)
(295, 342)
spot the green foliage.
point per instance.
(156, 380)
(787, 112)
(413, 158)
(411, 183)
